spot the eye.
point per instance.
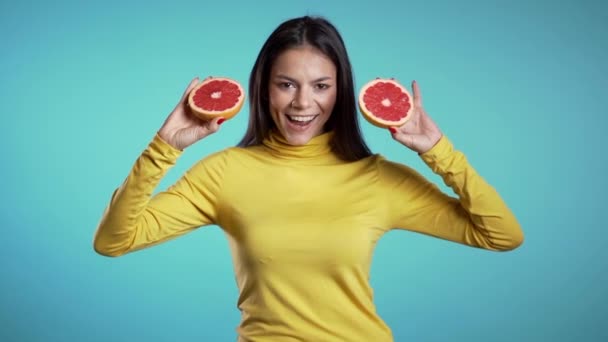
(286, 85)
(322, 86)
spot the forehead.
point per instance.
(304, 62)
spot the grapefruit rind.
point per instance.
(210, 114)
(376, 121)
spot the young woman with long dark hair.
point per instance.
(302, 199)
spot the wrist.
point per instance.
(433, 143)
(166, 138)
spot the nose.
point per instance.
(303, 98)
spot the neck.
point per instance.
(317, 147)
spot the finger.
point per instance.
(214, 125)
(209, 127)
(408, 140)
(191, 86)
(396, 134)
(417, 94)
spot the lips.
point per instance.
(300, 123)
(301, 118)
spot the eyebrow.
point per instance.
(321, 79)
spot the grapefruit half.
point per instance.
(385, 103)
(216, 97)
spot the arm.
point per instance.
(478, 217)
(133, 220)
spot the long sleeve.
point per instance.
(135, 220)
(478, 217)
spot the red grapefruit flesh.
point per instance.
(216, 97)
(385, 103)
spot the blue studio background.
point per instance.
(518, 86)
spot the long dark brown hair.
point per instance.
(347, 141)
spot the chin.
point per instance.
(296, 135)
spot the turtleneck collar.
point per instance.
(318, 146)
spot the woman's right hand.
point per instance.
(182, 129)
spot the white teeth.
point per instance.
(301, 118)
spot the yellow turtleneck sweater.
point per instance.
(302, 226)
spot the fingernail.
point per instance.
(392, 129)
(219, 122)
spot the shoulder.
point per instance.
(391, 171)
(215, 162)
(227, 157)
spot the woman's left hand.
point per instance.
(419, 133)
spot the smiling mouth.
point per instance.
(301, 120)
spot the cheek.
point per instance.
(272, 98)
(273, 103)
(276, 102)
(278, 99)
(328, 102)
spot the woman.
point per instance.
(302, 200)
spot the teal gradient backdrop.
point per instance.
(518, 86)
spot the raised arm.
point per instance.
(134, 219)
(478, 217)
